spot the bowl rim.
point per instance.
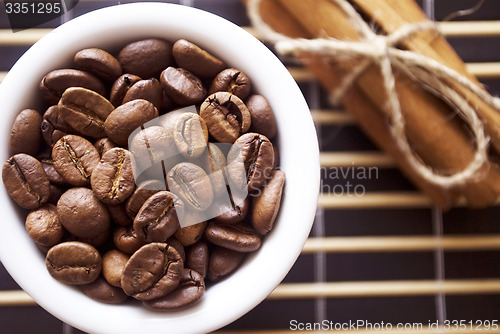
(300, 193)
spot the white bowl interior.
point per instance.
(111, 28)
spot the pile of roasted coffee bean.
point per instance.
(130, 189)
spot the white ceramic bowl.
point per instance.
(111, 28)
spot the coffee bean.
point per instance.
(190, 135)
(226, 116)
(25, 133)
(103, 145)
(53, 126)
(113, 179)
(223, 262)
(97, 240)
(44, 227)
(157, 219)
(126, 118)
(191, 234)
(238, 237)
(81, 213)
(75, 159)
(152, 272)
(233, 81)
(151, 145)
(143, 191)
(190, 289)
(149, 89)
(56, 82)
(196, 60)
(197, 258)
(182, 86)
(233, 211)
(55, 193)
(104, 292)
(213, 162)
(120, 88)
(263, 120)
(113, 264)
(146, 58)
(125, 239)
(26, 181)
(45, 159)
(99, 63)
(73, 263)
(265, 207)
(192, 185)
(85, 111)
(178, 247)
(250, 161)
(119, 215)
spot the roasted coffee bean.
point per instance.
(126, 118)
(103, 145)
(143, 191)
(226, 116)
(45, 159)
(26, 181)
(146, 58)
(113, 264)
(98, 62)
(233, 81)
(113, 178)
(178, 247)
(223, 262)
(85, 111)
(196, 60)
(73, 262)
(149, 89)
(53, 126)
(157, 219)
(151, 145)
(213, 162)
(44, 227)
(238, 237)
(263, 120)
(56, 82)
(104, 292)
(25, 133)
(197, 258)
(125, 239)
(152, 272)
(250, 161)
(233, 211)
(191, 234)
(120, 88)
(265, 207)
(190, 289)
(75, 159)
(82, 214)
(55, 193)
(182, 86)
(190, 135)
(168, 120)
(192, 185)
(119, 215)
(97, 240)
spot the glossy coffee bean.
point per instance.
(25, 181)
(146, 58)
(97, 240)
(157, 219)
(238, 237)
(143, 191)
(104, 292)
(55, 193)
(178, 247)
(197, 258)
(44, 227)
(233, 211)
(113, 178)
(151, 145)
(190, 289)
(53, 126)
(73, 262)
(149, 89)
(190, 135)
(75, 159)
(113, 264)
(125, 239)
(263, 120)
(56, 82)
(119, 215)
(103, 145)
(126, 118)
(223, 262)
(85, 111)
(120, 88)
(250, 161)
(82, 214)
(53, 175)
(233, 81)
(152, 272)
(182, 86)
(192, 185)
(213, 162)
(98, 62)
(25, 133)
(265, 207)
(191, 234)
(196, 60)
(226, 116)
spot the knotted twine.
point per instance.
(381, 50)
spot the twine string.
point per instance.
(381, 50)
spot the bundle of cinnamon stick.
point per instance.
(437, 136)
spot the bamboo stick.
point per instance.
(15, 298)
(332, 117)
(356, 159)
